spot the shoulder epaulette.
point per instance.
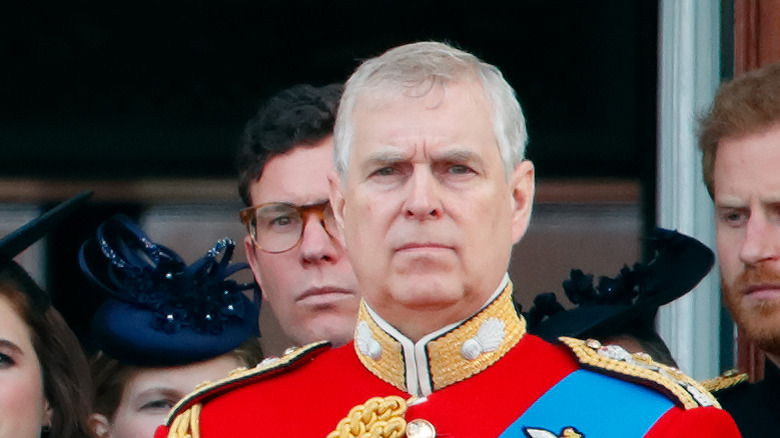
(639, 368)
(727, 380)
(188, 408)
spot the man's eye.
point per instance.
(385, 171)
(734, 218)
(281, 221)
(459, 169)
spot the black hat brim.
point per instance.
(681, 265)
(19, 240)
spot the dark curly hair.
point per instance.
(300, 115)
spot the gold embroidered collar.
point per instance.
(447, 356)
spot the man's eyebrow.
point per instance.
(730, 202)
(458, 155)
(382, 157)
(729, 205)
(446, 155)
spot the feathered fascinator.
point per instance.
(678, 265)
(161, 311)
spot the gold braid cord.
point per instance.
(186, 424)
(729, 379)
(379, 417)
(638, 367)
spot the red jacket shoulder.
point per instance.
(709, 422)
(269, 368)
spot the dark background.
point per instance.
(161, 89)
(155, 88)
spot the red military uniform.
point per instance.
(483, 377)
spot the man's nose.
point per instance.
(423, 200)
(762, 240)
(317, 246)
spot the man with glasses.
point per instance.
(432, 191)
(293, 245)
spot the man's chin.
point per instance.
(770, 344)
(338, 329)
(762, 326)
(424, 299)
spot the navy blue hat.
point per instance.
(679, 264)
(162, 312)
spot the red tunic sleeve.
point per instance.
(706, 422)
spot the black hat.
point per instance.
(17, 241)
(29, 233)
(162, 312)
(679, 264)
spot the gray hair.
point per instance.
(415, 64)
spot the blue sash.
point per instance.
(597, 406)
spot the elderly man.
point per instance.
(293, 245)
(740, 140)
(432, 191)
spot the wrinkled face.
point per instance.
(23, 406)
(747, 215)
(428, 214)
(311, 287)
(150, 393)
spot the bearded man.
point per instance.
(740, 141)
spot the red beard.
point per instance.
(760, 319)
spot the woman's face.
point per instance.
(150, 394)
(23, 406)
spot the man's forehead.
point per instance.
(298, 176)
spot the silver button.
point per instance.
(420, 428)
(594, 344)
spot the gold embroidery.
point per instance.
(681, 388)
(390, 365)
(445, 358)
(447, 363)
(379, 417)
(726, 380)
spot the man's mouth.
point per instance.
(422, 246)
(324, 295)
(762, 291)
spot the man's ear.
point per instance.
(336, 198)
(254, 264)
(99, 425)
(523, 187)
